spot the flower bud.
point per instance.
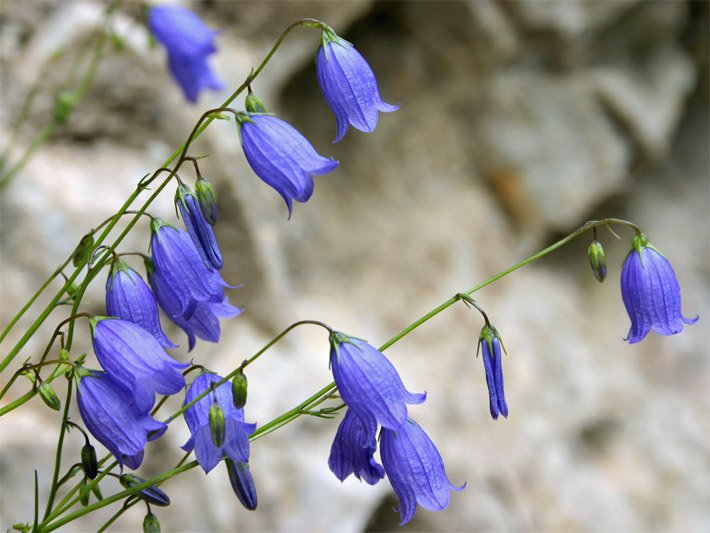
(150, 494)
(216, 418)
(84, 493)
(242, 483)
(64, 104)
(151, 523)
(253, 104)
(49, 397)
(88, 461)
(597, 260)
(83, 250)
(61, 368)
(239, 390)
(207, 200)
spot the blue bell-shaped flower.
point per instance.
(493, 364)
(353, 449)
(198, 228)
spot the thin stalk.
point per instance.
(60, 444)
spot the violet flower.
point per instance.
(651, 292)
(493, 364)
(189, 42)
(198, 227)
(353, 449)
(415, 469)
(242, 483)
(349, 85)
(368, 383)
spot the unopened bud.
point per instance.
(207, 200)
(151, 523)
(49, 397)
(150, 494)
(242, 483)
(83, 250)
(84, 493)
(253, 104)
(597, 260)
(216, 418)
(239, 390)
(88, 461)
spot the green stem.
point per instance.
(60, 445)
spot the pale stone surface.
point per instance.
(519, 121)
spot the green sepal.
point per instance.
(49, 397)
(336, 338)
(84, 493)
(22, 527)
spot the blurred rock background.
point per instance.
(519, 121)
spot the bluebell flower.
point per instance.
(203, 318)
(493, 364)
(236, 432)
(415, 469)
(198, 228)
(242, 483)
(178, 265)
(136, 360)
(353, 449)
(282, 157)
(128, 297)
(349, 86)
(112, 417)
(368, 383)
(651, 292)
(188, 42)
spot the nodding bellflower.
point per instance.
(135, 359)
(493, 364)
(349, 85)
(368, 382)
(282, 157)
(189, 42)
(235, 445)
(415, 469)
(353, 449)
(111, 415)
(178, 266)
(128, 297)
(651, 292)
(199, 229)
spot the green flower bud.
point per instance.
(64, 104)
(239, 390)
(84, 493)
(597, 260)
(49, 397)
(150, 494)
(88, 461)
(151, 523)
(207, 200)
(253, 104)
(216, 418)
(83, 250)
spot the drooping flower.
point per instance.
(189, 42)
(136, 360)
(282, 157)
(493, 364)
(242, 483)
(203, 319)
(198, 228)
(353, 449)
(235, 442)
(368, 382)
(177, 265)
(113, 418)
(415, 469)
(349, 85)
(128, 297)
(651, 292)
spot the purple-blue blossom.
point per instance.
(349, 85)
(242, 483)
(135, 359)
(651, 292)
(112, 417)
(235, 445)
(353, 449)
(368, 383)
(493, 364)
(415, 469)
(189, 43)
(282, 157)
(128, 297)
(199, 229)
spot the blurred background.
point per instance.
(519, 121)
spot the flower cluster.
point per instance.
(375, 395)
